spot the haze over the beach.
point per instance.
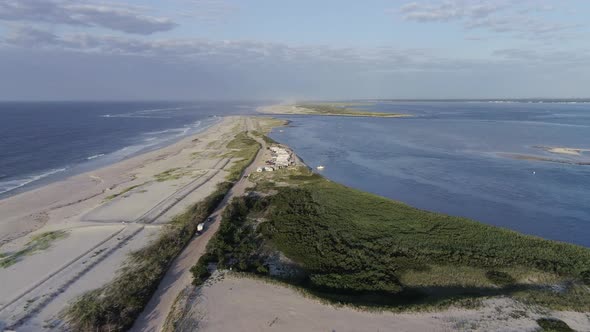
(262, 49)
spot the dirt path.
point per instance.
(178, 275)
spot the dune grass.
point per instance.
(124, 191)
(37, 243)
(266, 139)
(172, 174)
(553, 325)
(244, 149)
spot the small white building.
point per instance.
(259, 169)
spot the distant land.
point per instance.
(483, 100)
(334, 109)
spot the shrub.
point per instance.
(200, 271)
(499, 278)
(553, 325)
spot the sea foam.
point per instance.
(10, 185)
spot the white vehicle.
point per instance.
(200, 227)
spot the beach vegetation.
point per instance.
(350, 246)
(266, 139)
(562, 296)
(37, 243)
(553, 325)
(500, 278)
(200, 271)
(196, 155)
(171, 174)
(269, 140)
(244, 149)
(124, 191)
(266, 124)
(116, 305)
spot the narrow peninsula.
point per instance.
(327, 109)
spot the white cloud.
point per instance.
(127, 19)
(244, 53)
(519, 18)
(449, 10)
(230, 52)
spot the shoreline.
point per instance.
(63, 239)
(69, 237)
(90, 178)
(93, 163)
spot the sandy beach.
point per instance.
(563, 150)
(260, 306)
(101, 217)
(283, 109)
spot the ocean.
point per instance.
(462, 158)
(41, 142)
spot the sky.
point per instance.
(290, 50)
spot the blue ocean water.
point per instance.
(44, 142)
(451, 157)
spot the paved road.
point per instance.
(178, 275)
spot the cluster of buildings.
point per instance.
(280, 158)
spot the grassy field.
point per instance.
(355, 247)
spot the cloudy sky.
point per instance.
(313, 49)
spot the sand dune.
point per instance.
(259, 306)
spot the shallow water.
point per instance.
(449, 159)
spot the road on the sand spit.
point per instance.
(178, 276)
